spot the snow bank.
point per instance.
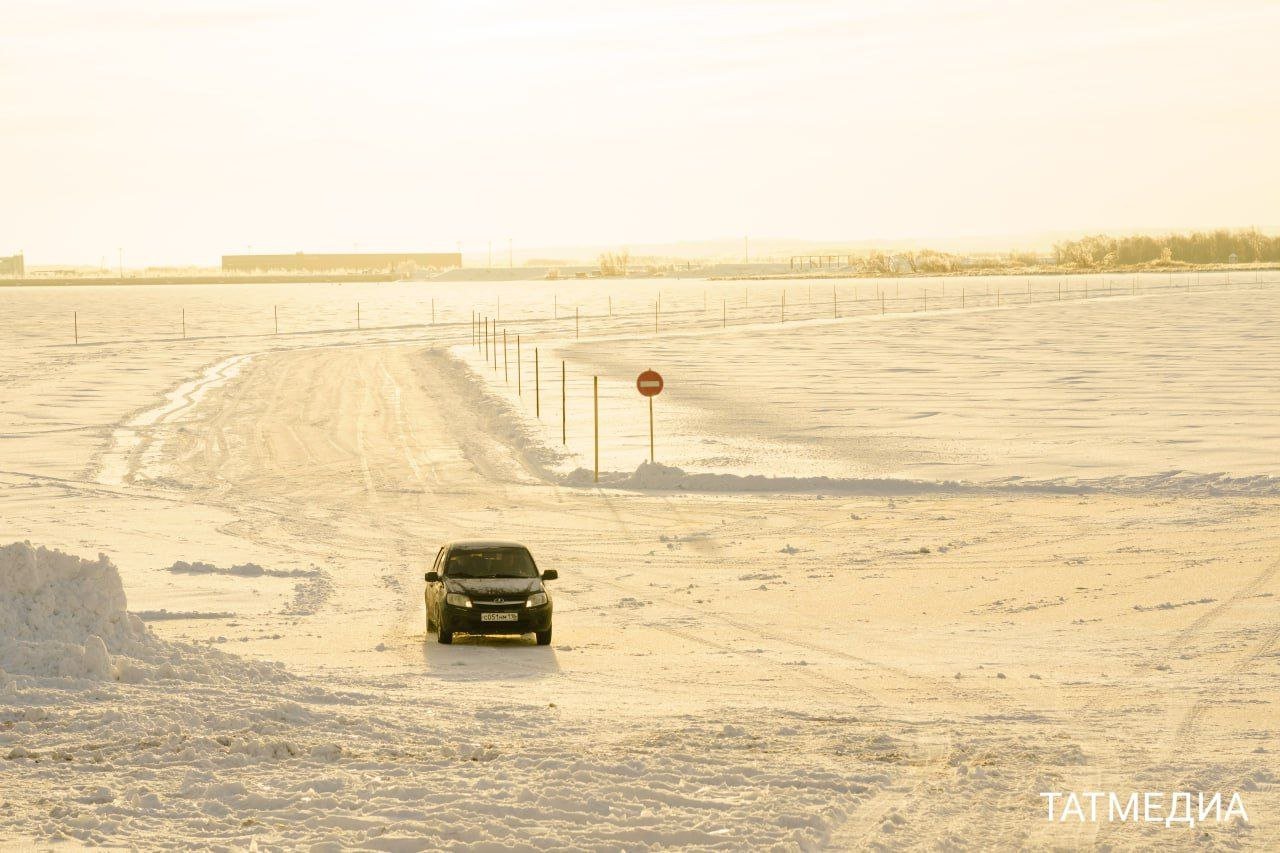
(659, 477)
(62, 616)
(656, 476)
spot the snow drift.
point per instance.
(244, 570)
(62, 616)
(659, 477)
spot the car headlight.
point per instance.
(457, 599)
(536, 600)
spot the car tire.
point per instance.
(544, 637)
(445, 636)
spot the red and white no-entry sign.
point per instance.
(649, 383)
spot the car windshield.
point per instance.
(490, 563)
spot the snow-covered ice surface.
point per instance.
(920, 568)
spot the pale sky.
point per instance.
(182, 130)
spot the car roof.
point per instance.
(479, 544)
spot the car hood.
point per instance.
(493, 586)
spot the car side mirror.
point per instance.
(550, 575)
(432, 577)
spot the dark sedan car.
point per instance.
(480, 587)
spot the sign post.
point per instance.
(650, 385)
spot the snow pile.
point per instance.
(62, 616)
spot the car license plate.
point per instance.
(498, 617)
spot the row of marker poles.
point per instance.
(564, 399)
(488, 324)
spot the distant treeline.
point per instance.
(1198, 247)
(1098, 252)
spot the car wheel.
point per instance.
(445, 636)
(544, 637)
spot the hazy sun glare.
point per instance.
(186, 129)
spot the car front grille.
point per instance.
(499, 602)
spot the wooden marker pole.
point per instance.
(655, 317)
(784, 305)
(485, 320)
(835, 307)
(519, 371)
(724, 313)
(650, 430)
(595, 416)
(433, 311)
(184, 323)
(962, 297)
(505, 376)
(537, 386)
(563, 408)
(275, 316)
(357, 315)
(882, 303)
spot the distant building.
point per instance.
(1233, 258)
(13, 265)
(392, 262)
